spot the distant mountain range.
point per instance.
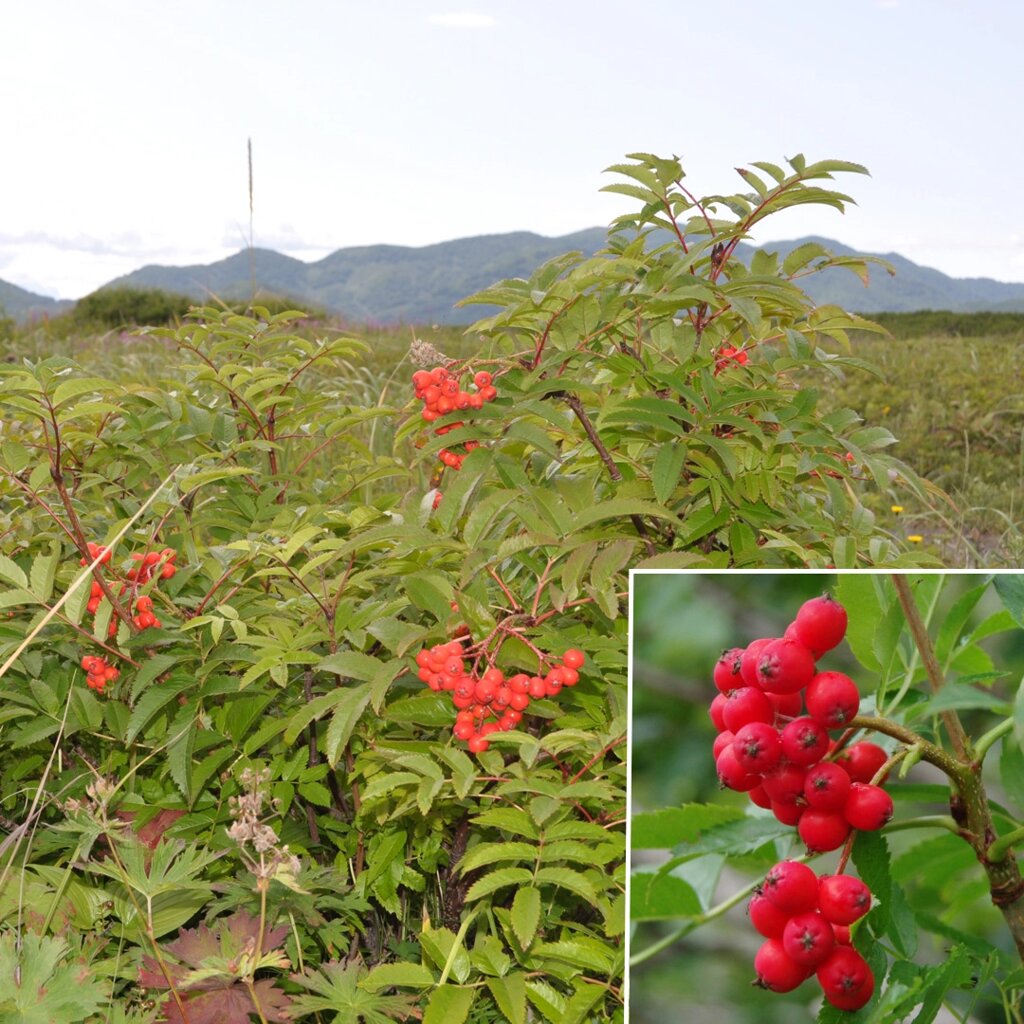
(397, 284)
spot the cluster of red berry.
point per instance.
(769, 749)
(441, 393)
(152, 564)
(490, 703)
(785, 760)
(727, 354)
(806, 924)
(98, 672)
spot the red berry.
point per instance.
(784, 666)
(862, 761)
(804, 741)
(867, 807)
(788, 814)
(826, 787)
(745, 706)
(722, 740)
(842, 934)
(832, 699)
(820, 624)
(760, 797)
(792, 887)
(766, 917)
(843, 899)
(787, 705)
(822, 831)
(757, 747)
(732, 774)
(477, 743)
(808, 939)
(785, 784)
(845, 979)
(750, 658)
(775, 970)
(717, 712)
(727, 670)
(573, 658)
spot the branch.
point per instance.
(923, 642)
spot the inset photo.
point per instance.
(827, 798)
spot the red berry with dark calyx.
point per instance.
(727, 670)
(722, 740)
(832, 699)
(804, 742)
(843, 899)
(820, 624)
(808, 939)
(826, 787)
(745, 706)
(757, 747)
(732, 774)
(822, 831)
(750, 658)
(785, 784)
(791, 886)
(784, 666)
(845, 979)
(867, 807)
(775, 970)
(862, 761)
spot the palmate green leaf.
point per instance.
(338, 991)
(42, 984)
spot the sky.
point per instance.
(395, 121)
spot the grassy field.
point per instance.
(952, 399)
(957, 407)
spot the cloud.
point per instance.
(463, 19)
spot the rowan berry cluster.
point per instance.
(770, 748)
(152, 565)
(98, 672)
(777, 750)
(490, 703)
(727, 354)
(441, 392)
(806, 924)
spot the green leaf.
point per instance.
(509, 995)
(151, 702)
(343, 721)
(1011, 769)
(655, 895)
(492, 853)
(43, 571)
(498, 880)
(12, 573)
(871, 857)
(856, 591)
(400, 975)
(1010, 588)
(670, 826)
(449, 1004)
(526, 915)
(566, 878)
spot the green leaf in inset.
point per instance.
(654, 895)
(670, 826)
(1010, 588)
